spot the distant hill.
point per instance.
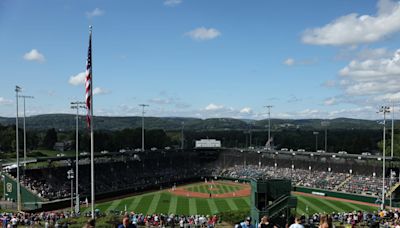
(65, 122)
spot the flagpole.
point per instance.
(91, 132)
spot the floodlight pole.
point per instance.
(392, 135)
(17, 90)
(143, 106)
(23, 98)
(4, 187)
(325, 124)
(384, 110)
(77, 105)
(316, 140)
(70, 176)
(182, 137)
(269, 123)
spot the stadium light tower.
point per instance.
(316, 140)
(143, 106)
(182, 136)
(17, 90)
(384, 110)
(77, 105)
(392, 135)
(70, 176)
(3, 178)
(326, 124)
(23, 98)
(269, 123)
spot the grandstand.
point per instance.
(133, 172)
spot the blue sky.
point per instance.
(226, 58)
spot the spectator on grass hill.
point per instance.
(297, 223)
(126, 223)
(245, 224)
(90, 224)
(265, 223)
(323, 222)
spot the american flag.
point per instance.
(89, 81)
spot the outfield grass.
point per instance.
(165, 202)
(216, 188)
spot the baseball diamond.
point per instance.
(198, 201)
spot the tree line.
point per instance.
(350, 140)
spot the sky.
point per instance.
(203, 59)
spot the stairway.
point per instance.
(392, 189)
(343, 183)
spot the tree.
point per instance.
(50, 139)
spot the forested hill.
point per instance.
(67, 122)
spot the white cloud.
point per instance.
(362, 54)
(164, 98)
(388, 97)
(293, 99)
(330, 101)
(203, 33)
(160, 101)
(376, 53)
(329, 83)
(292, 62)
(34, 55)
(355, 29)
(100, 91)
(172, 2)
(362, 112)
(289, 62)
(213, 107)
(4, 101)
(95, 13)
(372, 76)
(246, 110)
(78, 79)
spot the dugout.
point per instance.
(271, 198)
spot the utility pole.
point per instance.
(17, 90)
(316, 140)
(384, 110)
(143, 106)
(70, 176)
(392, 136)
(269, 123)
(77, 105)
(23, 98)
(326, 124)
(182, 137)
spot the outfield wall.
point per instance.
(29, 200)
(342, 195)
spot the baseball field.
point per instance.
(214, 197)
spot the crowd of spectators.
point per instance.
(160, 170)
(125, 173)
(352, 183)
(164, 220)
(41, 219)
(365, 185)
(59, 219)
(385, 218)
(382, 218)
(44, 189)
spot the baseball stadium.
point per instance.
(211, 72)
(218, 186)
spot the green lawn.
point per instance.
(1, 189)
(216, 188)
(164, 202)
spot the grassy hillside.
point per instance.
(67, 122)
